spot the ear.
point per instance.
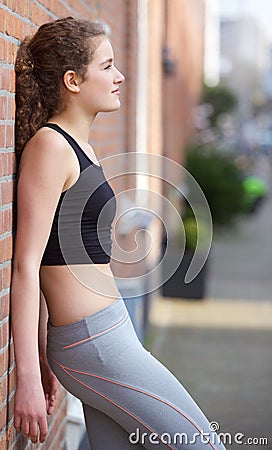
(71, 81)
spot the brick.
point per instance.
(18, 32)
(10, 24)
(5, 79)
(11, 4)
(3, 442)
(3, 49)
(13, 103)
(7, 388)
(6, 273)
(11, 437)
(3, 416)
(2, 53)
(11, 382)
(57, 427)
(7, 191)
(2, 20)
(10, 408)
(11, 52)
(38, 15)
(11, 354)
(19, 7)
(9, 136)
(3, 362)
(5, 219)
(2, 166)
(59, 9)
(3, 391)
(28, 30)
(3, 170)
(9, 106)
(5, 249)
(12, 440)
(27, 7)
(12, 163)
(2, 136)
(7, 225)
(12, 75)
(1, 287)
(3, 107)
(4, 306)
(4, 334)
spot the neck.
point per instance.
(76, 125)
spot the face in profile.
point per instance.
(99, 92)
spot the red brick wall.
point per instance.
(112, 133)
(11, 30)
(169, 123)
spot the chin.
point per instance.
(111, 109)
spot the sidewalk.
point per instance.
(220, 348)
(241, 259)
(222, 357)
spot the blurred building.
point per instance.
(183, 60)
(212, 43)
(170, 46)
(245, 60)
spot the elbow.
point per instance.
(25, 266)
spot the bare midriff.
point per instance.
(77, 291)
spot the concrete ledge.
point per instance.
(211, 313)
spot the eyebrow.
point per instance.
(109, 60)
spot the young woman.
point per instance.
(65, 76)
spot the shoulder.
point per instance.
(47, 148)
(46, 142)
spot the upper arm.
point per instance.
(44, 169)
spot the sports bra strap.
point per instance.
(84, 160)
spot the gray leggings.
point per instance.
(130, 400)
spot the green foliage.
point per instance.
(192, 229)
(220, 180)
(221, 98)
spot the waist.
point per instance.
(74, 291)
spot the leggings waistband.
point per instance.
(90, 326)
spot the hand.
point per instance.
(30, 411)
(50, 385)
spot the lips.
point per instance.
(116, 91)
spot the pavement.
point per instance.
(220, 347)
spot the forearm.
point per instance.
(42, 333)
(25, 317)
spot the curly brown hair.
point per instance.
(41, 61)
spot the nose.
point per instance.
(119, 77)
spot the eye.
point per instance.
(108, 67)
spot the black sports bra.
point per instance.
(81, 228)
